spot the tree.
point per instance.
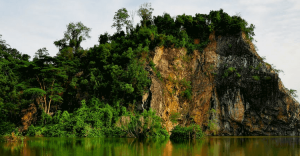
(145, 12)
(2, 42)
(41, 53)
(120, 19)
(75, 34)
(104, 38)
(48, 78)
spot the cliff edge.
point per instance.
(229, 77)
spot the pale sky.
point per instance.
(33, 24)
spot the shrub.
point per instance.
(293, 92)
(225, 74)
(152, 65)
(187, 93)
(231, 69)
(6, 127)
(267, 78)
(185, 83)
(255, 78)
(190, 132)
(174, 116)
(31, 130)
(258, 67)
(238, 75)
(146, 125)
(212, 124)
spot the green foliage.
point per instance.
(174, 116)
(113, 71)
(268, 78)
(225, 74)
(6, 127)
(120, 19)
(187, 89)
(190, 132)
(228, 71)
(187, 93)
(277, 71)
(238, 75)
(212, 123)
(34, 92)
(75, 34)
(256, 78)
(145, 12)
(152, 65)
(146, 125)
(293, 93)
(231, 69)
(258, 67)
(98, 120)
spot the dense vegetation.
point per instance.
(96, 91)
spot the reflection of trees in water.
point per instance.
(230, 146)
(288, 141)
(237, 146)
(188, 147)
(86, 146)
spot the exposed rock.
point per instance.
(245, 105)
(29, 116)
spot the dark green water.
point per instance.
(228, 146)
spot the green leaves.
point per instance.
(120, 19)
(256, 78)
(145, 12)
(127, 88)
(41, 53)
(35, 92)
(174, 116)
(192, 131)
(75, 34)
(293, 93)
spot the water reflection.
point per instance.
(215, 146)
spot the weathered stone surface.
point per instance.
(244, 106)
(29, 116)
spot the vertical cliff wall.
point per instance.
(229, 77)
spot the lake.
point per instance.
(215, 146)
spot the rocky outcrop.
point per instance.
(29, 116)
(229, 77)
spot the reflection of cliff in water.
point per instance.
(231, 146)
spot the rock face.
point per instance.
(229, 77)
(29, 116)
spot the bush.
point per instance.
(258, 67)
(6, 127)
(267, 78)
(293, 93)
(255, 78)
(146, 125)
(190, 132)
(174, 116)
(187, 93)
(231, 69)
(212, 124)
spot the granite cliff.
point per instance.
(228, 76)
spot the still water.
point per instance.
(215, 146)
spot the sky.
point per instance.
(33, 24)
